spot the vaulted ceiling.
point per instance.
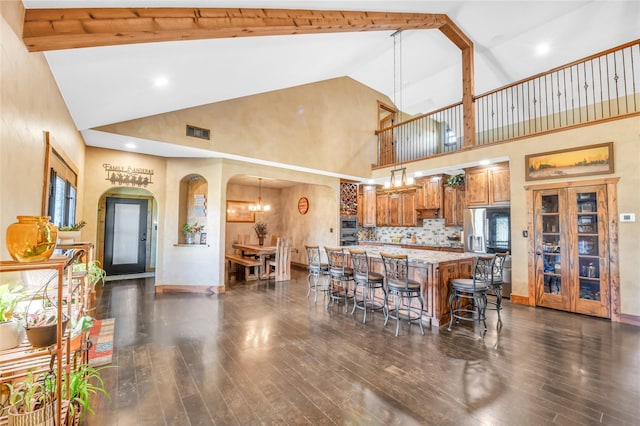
(109, 84)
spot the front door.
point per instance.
(125, 236)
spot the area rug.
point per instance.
(101, 334)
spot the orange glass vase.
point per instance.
(31, 239)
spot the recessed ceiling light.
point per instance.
(543, 48)
(485, 162)
(371, 181)
(417, 174)
(130, 145)
(161, 81)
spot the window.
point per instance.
(61, 194)
(62, 201)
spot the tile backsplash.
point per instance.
(432, 233)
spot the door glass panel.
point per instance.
(551, 244)
(125, 234)
(588, 245)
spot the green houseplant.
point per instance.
(457, 180)
(31, 401)
(69, 234)
(84, 382)
(11, 327)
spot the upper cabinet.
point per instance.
(487, 186)
(396, 209)
(382, 209)
(409, 214)
(453, 205)
(367, 206)
(430, 197)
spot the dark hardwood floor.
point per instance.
(264, 354)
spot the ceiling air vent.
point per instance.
(197, 132)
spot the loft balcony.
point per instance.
(601, 87)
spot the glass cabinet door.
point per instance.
(552, 286)
(552, 265)
(590, 275)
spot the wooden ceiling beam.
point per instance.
(56, 29)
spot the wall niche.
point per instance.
(193, 206)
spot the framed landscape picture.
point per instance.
(238, 211)
(582, 161)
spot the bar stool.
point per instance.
(400, 286)
(317, 270)
(474, 290)
(368, 282)
(341, 275)
(495, 285)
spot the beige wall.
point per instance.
(31, 104)
(97, 185)
(626, 137)
(309, 126)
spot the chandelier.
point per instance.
(259, 206)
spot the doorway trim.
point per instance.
(102, 211)
(612, 213)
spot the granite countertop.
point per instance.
(417, 256)
(450, 245)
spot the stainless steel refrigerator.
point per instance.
(487, 230)
(475, 230)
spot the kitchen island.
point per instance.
(433, 269)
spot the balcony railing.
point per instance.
(601, 87)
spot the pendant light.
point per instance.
(259, 206)
(399, 175)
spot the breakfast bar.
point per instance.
(433, 269)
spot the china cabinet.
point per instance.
(572, 249)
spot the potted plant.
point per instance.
(68, 234)
(189, 231)
(261, 231)
(11, 327)
(42, 326)
(31, 402)
(84, 382)
(79, 327)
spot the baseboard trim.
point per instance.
(199, 289)
(521, 300)
(630, 319)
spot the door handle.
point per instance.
(539, 253)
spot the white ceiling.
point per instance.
(111, 84)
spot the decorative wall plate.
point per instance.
(303, 205)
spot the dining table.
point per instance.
(261, 251)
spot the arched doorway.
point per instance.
(127, 234)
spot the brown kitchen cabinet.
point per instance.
(572, 249)
(409, 213)
(382, 209)
(395, 210)
(453, 205)
(368, 206)
(488, 186)
(429, 199)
